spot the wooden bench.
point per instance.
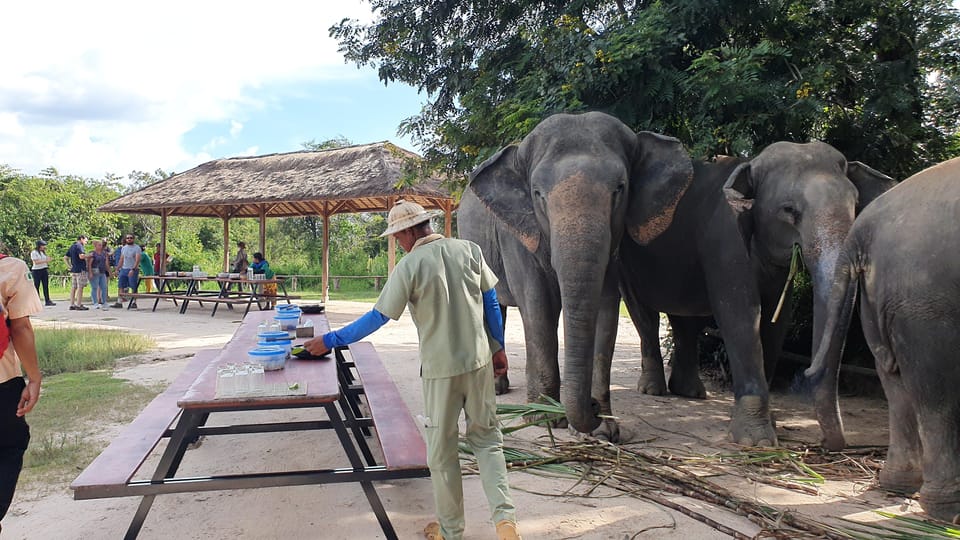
(400, 440)
(109, 473)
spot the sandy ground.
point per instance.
(341, 511)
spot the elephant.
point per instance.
(727, 254)
(548, 214)
(901, 255)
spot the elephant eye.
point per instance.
(620, 189)
(790, 213)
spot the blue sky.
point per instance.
(109, 86)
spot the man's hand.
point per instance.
(499, 363)
(29, 397)
(316, 346)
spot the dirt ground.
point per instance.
(340, 511)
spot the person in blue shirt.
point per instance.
(76, 260)
(450, 292)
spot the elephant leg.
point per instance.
(652, 380)
(685, 369)
(608, 319)
(543, 368)
(772, 333)
(736, 308)
(501, 383)
(926, 364)
(902, 471)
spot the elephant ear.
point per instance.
(501, 186)
(869, 182)
(740, 191)
(660, 175)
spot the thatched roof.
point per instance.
(351, 179)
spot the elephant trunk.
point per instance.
(821, 250)
(580, 270)
(835, 286)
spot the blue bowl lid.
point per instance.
(287, 307)
(270, 350)
(273, 336)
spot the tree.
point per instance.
(873, 78)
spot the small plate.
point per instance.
(304, 354)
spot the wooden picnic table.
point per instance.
(242, 291)
(351, 387)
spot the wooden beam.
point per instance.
(325, 268)
(226, 245)
(391, 243)
(164, 212)
(263, 229)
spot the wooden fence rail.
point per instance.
(293, 280)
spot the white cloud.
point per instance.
(111, 86)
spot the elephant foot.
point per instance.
(609, 430)
(905, 481)
(652, 384)
(941, 504)
(501, 384)
(751, 424)
(687, 386)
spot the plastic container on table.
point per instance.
(271, 357)
(287, 345)
(272, 336)
(288, 321)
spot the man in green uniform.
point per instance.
(449, 289)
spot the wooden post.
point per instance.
(226, 243)
(391, 243)
(164, 212)
(325, 268)
(263, 229)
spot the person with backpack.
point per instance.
(18, 355)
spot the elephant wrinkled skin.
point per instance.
(902, 256)
(549, 213)
(733, 265)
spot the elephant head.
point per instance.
(567, 192)
(803, 194)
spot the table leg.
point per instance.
(182, 436)
(375, 504)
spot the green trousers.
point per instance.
(472, 393)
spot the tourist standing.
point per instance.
(146, 269)
(40, 270)
(18, 351)
(240, 262)
(98, 266)
(76, 261)
(129, 270)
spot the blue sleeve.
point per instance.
(494, 319)
(367, 324)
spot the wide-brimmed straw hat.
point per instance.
(403, 215)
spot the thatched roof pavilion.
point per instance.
(351, 179)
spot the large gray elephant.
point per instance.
(734, 265)
(549, 213)
(902, 256)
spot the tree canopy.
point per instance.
(875, 78)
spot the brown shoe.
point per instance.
(507, 530)
(432, 531)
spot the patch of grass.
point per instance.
(61, 425)
(71, 350)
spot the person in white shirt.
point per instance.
(41, 275)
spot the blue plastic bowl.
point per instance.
(270, 357)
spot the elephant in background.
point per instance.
(902, 256)
(733, 265)
(548, 214)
